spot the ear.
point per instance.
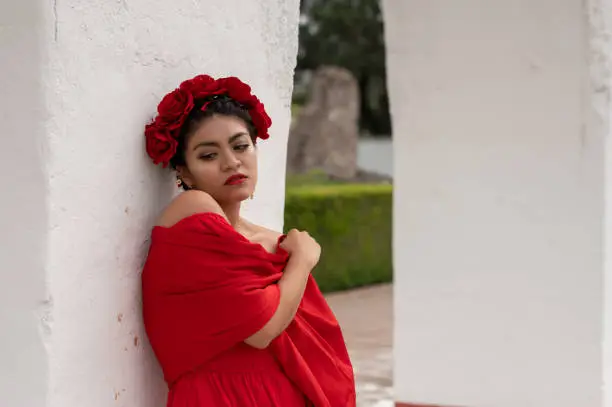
(183, 173)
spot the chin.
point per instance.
(239, 196)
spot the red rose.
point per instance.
(262, 112)
(199, 82)
(174, 108)
(261, 120)
(251, 102)
(160, 144)
(262, 132)
(201, 86)
(236, 89)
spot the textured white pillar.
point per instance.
(23, 213)
(500, 111)
(79, 79)
(602, 44)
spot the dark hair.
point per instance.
(217, 105)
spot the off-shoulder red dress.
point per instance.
(206, 289)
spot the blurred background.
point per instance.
(340, 176)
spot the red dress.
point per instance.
(206, 289)
(242, 376)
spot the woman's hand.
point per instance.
(302, 247)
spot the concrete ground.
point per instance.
(366, 318)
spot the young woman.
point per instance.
(230, 308)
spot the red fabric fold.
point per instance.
(206, 288)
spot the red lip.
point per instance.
(236, 179)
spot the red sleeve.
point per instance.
(199, 299)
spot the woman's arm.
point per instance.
(291, 286)
(304, 254)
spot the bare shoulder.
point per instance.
(186, 204)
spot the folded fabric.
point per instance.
(207, 288)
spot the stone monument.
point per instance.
(325, 134)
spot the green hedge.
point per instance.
(353, 225)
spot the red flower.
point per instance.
(174, 108)
(198, 82)
(261, 112)
(261, 121)
(160, 144)
(236, 89)
(161, 135)
(202, 86)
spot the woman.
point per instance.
(230, 308)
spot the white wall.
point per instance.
(497, 115)
(607, 288)
(603, 47)
(23, 214)
(105, 67)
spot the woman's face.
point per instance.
(221, 160)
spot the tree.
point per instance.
(349, 33)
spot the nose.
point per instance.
(231, 162)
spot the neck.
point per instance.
(232, 211)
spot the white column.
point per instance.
(79, 81)
(603, 46)
(24, 309)
(500, 110)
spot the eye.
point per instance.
(241, 147)
(209, 156)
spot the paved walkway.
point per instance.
(367, 322)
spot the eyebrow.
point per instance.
(215, 144)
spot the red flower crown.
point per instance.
(162, 134)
